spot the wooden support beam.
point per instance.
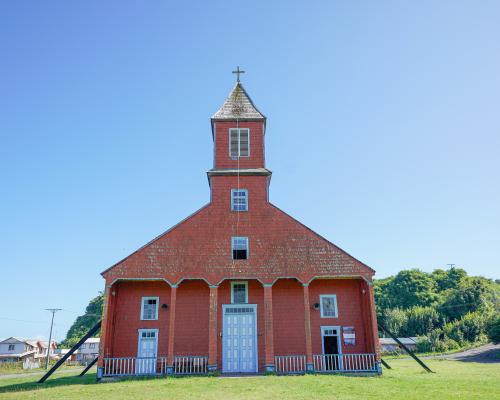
(89, 366)
(412, 355)
(70, 352)
(385, 364)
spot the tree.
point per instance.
(84, 322)
(410, 288)
(471, 295)
(394, 319)
(421, 321)
(449, 279)
(380, 289)
(494, 330)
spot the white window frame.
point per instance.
(232, 291)
(232, 199)
(239, 142)
(232, 247)
(143, 299)
(321, 297)
(91, 345)
(13, 347)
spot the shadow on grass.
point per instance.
(54, 382)
(489, 356)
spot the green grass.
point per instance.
(5, 370)
(452, 380)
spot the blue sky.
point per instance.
(383, 132)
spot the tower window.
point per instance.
(239, 247)
(239, 200)
(239, 142)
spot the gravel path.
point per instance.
(489, 353)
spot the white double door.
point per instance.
(147, 351)
(239, 338)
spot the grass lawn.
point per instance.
(452, 380)
(20, 370)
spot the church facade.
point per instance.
(239, 286)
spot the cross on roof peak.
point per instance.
(238, 72)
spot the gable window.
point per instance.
(149, 308)
(239, 142)
(12, 347)
(239, 247)
(239, 200)
(92, 346)
(328, 304)
(239, 292)
(82, 346)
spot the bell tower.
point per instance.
(238, 132)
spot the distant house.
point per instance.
(15, 349)
(60, 353)
(389, 345)
(42, 348)
(89, 350)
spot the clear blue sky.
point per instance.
(383, 132)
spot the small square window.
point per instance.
(328, 303)
(239, 292)
(239, 200)
(12, 347)
(149, 309)
(91, 345)
(239, 247)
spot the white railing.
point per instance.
(128, 366)
(344, 363)
(290, 364)
(190, 365)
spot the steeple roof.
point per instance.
(238, 105)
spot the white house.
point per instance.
(42, 348)
(89, 350)
(15, 349)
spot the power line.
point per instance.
(31, 322)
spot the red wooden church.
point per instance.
(239, 286)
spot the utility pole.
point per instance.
(53, 311)
(451, 265)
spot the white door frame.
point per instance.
(139, 337)
(339, 341)
(239, 305)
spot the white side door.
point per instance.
(239, 349)
(147, 349)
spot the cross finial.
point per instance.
(238, 72)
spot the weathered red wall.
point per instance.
(191, 319)
(127, 316)
(200, 247)
(192, 316)
(350, 311)
(288, 315)
(223, 160)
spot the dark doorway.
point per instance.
(331, 348)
